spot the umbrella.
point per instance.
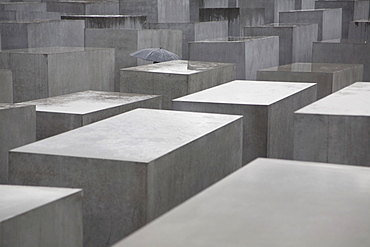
(155, 55)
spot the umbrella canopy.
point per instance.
(155, 55)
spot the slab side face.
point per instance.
(275, 203)
(6, 86)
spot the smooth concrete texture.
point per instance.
(84, 7)
(267, 109)
(219, 3)
(6, 86)
(110, 21)
(351, 10)
(25, 15)
(127, 41)
(41, 33)
(133, 167)
(175, 79)
(40, 216)
(295, 40)
(270, 202)
(59, 114)
(272, 7)
(335, 129)
(195, 31)
(304, 4)
(158, 11)
(237, 18)
(329, 21)
(329, 77)
(343, 51)
(17, 128)
(359, 30)
(52, 71)
(249, 53)
(23, 6)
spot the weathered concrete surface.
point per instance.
(195, 31)
(295, 40)
(127, 41)
(343, 51)
(219, 3)
(51, 71)
(23, 6)
(267, 109)
(110, 21)
(249, 53)
(329, 21)
(329, 77)
(270, 203)
(25, 15)
(359, 30)
(133, 167)
(59, 114)
(40, 216)
(174, 79)
(84, 7)
(42, 33)
(17, 128)
(304, 4)
(335, 128)
(6, 86)
(351, 10)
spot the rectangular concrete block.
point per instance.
(329, 77)
(6, 86)
(195, 31)
(295, 40)
(329, 21)
(133, 167)
(219, 4)
(335, 129)
(27, 16)
(17, 128)
(343, 51)
(351, 10)
(52, 71)
(270, 203)
(127, 41)
(84, 7)
(23, 6)
(359, 30)
(304, 4)
(176, 78)
(249, 53)
(59, 114)
(110, 21)
(267, 110)
(41, 33)
(40, 216)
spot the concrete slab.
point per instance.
(17, 128)
(195, 31)
(40, 216)
(335, 128)
(267, 109)
(127, 41)
(295, 40)
(23, 6)
(343, 51)
(133, 167)
(84, 7)
(59, 114)
(219, 4)
(176, 78)
(359, 30)
(6, 86)
(249, 53)
(41, 33)
(329, 77)
(351, 10)
(110, 21)
(52, 71)
(329, 21)
(27, 16)
(270, 203)
(304, 4)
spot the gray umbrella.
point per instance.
(155, 55)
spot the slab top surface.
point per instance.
(311, 67)
(270, 202)
(182, 67)
(16, 200)
(353, 100)
(4, 106)
(247, 92)
(234, 39)
(86, 102)
(100, 16)
(140, 135)
(52, 50)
